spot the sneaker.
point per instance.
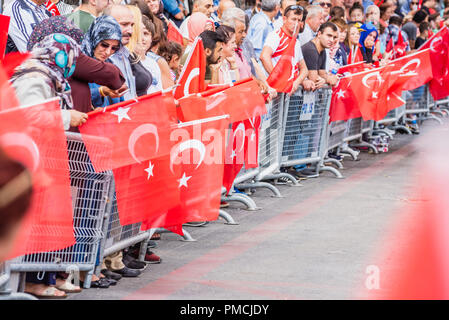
(152, 258)
(132, 263)
(128, 273)
(152, 244)
(335, 156)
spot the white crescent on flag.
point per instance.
(137, 133)
(188, 144)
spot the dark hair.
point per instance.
(420, 16)
(148, 25)
(12, 211)
(396, 20)
(383, 8)
(210, 39)
(337, 12)
(225, 32)
(327, 25)
(423, 26)
(295, 9)
(355, 6)
(433, 17)
(169, 49)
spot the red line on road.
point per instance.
(176, 280)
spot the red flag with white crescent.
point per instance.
(191, 79)
(52, 8)
(199, 157)
(439, 54)
(137, 130)
(173, 33)
(35, 136)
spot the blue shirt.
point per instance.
(121, 60)
(98, 100)
(259, 28)
(171, 6)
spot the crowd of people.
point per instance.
(106, 51)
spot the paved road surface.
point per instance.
(315, 243)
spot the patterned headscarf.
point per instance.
(56, 24)
(55, 57)
(103, 28)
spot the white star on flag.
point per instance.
(253, 135)
(122, 113)
(341, 93)
(183, 180)
(149, 170)
(374, 95)
(233, 154)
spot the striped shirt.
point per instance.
(24, 14)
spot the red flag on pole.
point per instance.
(390, 45)
(173, 33)
(35, 136)
(235, 154)
(52, 8)
(284, 72)
(439, 53)
(354, 68)
(200, 157)
(400, 46)
(191, 79)
(138, 130)
(241, 101)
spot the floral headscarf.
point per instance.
(55, 57)
(56, 24)
(103, 28)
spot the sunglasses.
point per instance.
(325, 4)
(105, 45)
(294, 7)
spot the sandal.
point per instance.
(48, 293)
(69, 287)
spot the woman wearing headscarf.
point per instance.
(198, 22)
(367, 41)
(42, 77)
(101, 41)
(88, 69)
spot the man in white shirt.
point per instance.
(25, 14)
(315, 18)
(280, 20)
(277, 42)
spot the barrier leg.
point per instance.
(335, 162)
(88, 279)
(431, 116)
(362, 144)
(399, 127)
(227, 217)
(337, 173)
(353, 153)
(286, 175)
(243, 198)
(277, 193)
(186, 237)
(438, 113)
(143, 249)
(383, 132)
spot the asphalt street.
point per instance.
(317, 242)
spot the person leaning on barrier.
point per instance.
(15, 198)
(315, 55)
(273, 48)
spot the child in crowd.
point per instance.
(171, 51)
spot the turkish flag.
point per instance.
(173, 33)
(252, 129)
(283, 74)
(400, 47)
(390, 45)
(35, 136)
(4, 27)
(52, 8)
(191, 79)
(344, 105)
(439, 53)
(199, 155)
(418, 65)
(241, 101)
(7, 93)
(12, 60)
(146, 191)
(137, 130)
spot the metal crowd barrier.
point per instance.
(419, 102)
(5, 292)
(305, 124)
(270, 141)
(89, 194)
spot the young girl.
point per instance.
(352, 44)
(171, 51)
(228, 71)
